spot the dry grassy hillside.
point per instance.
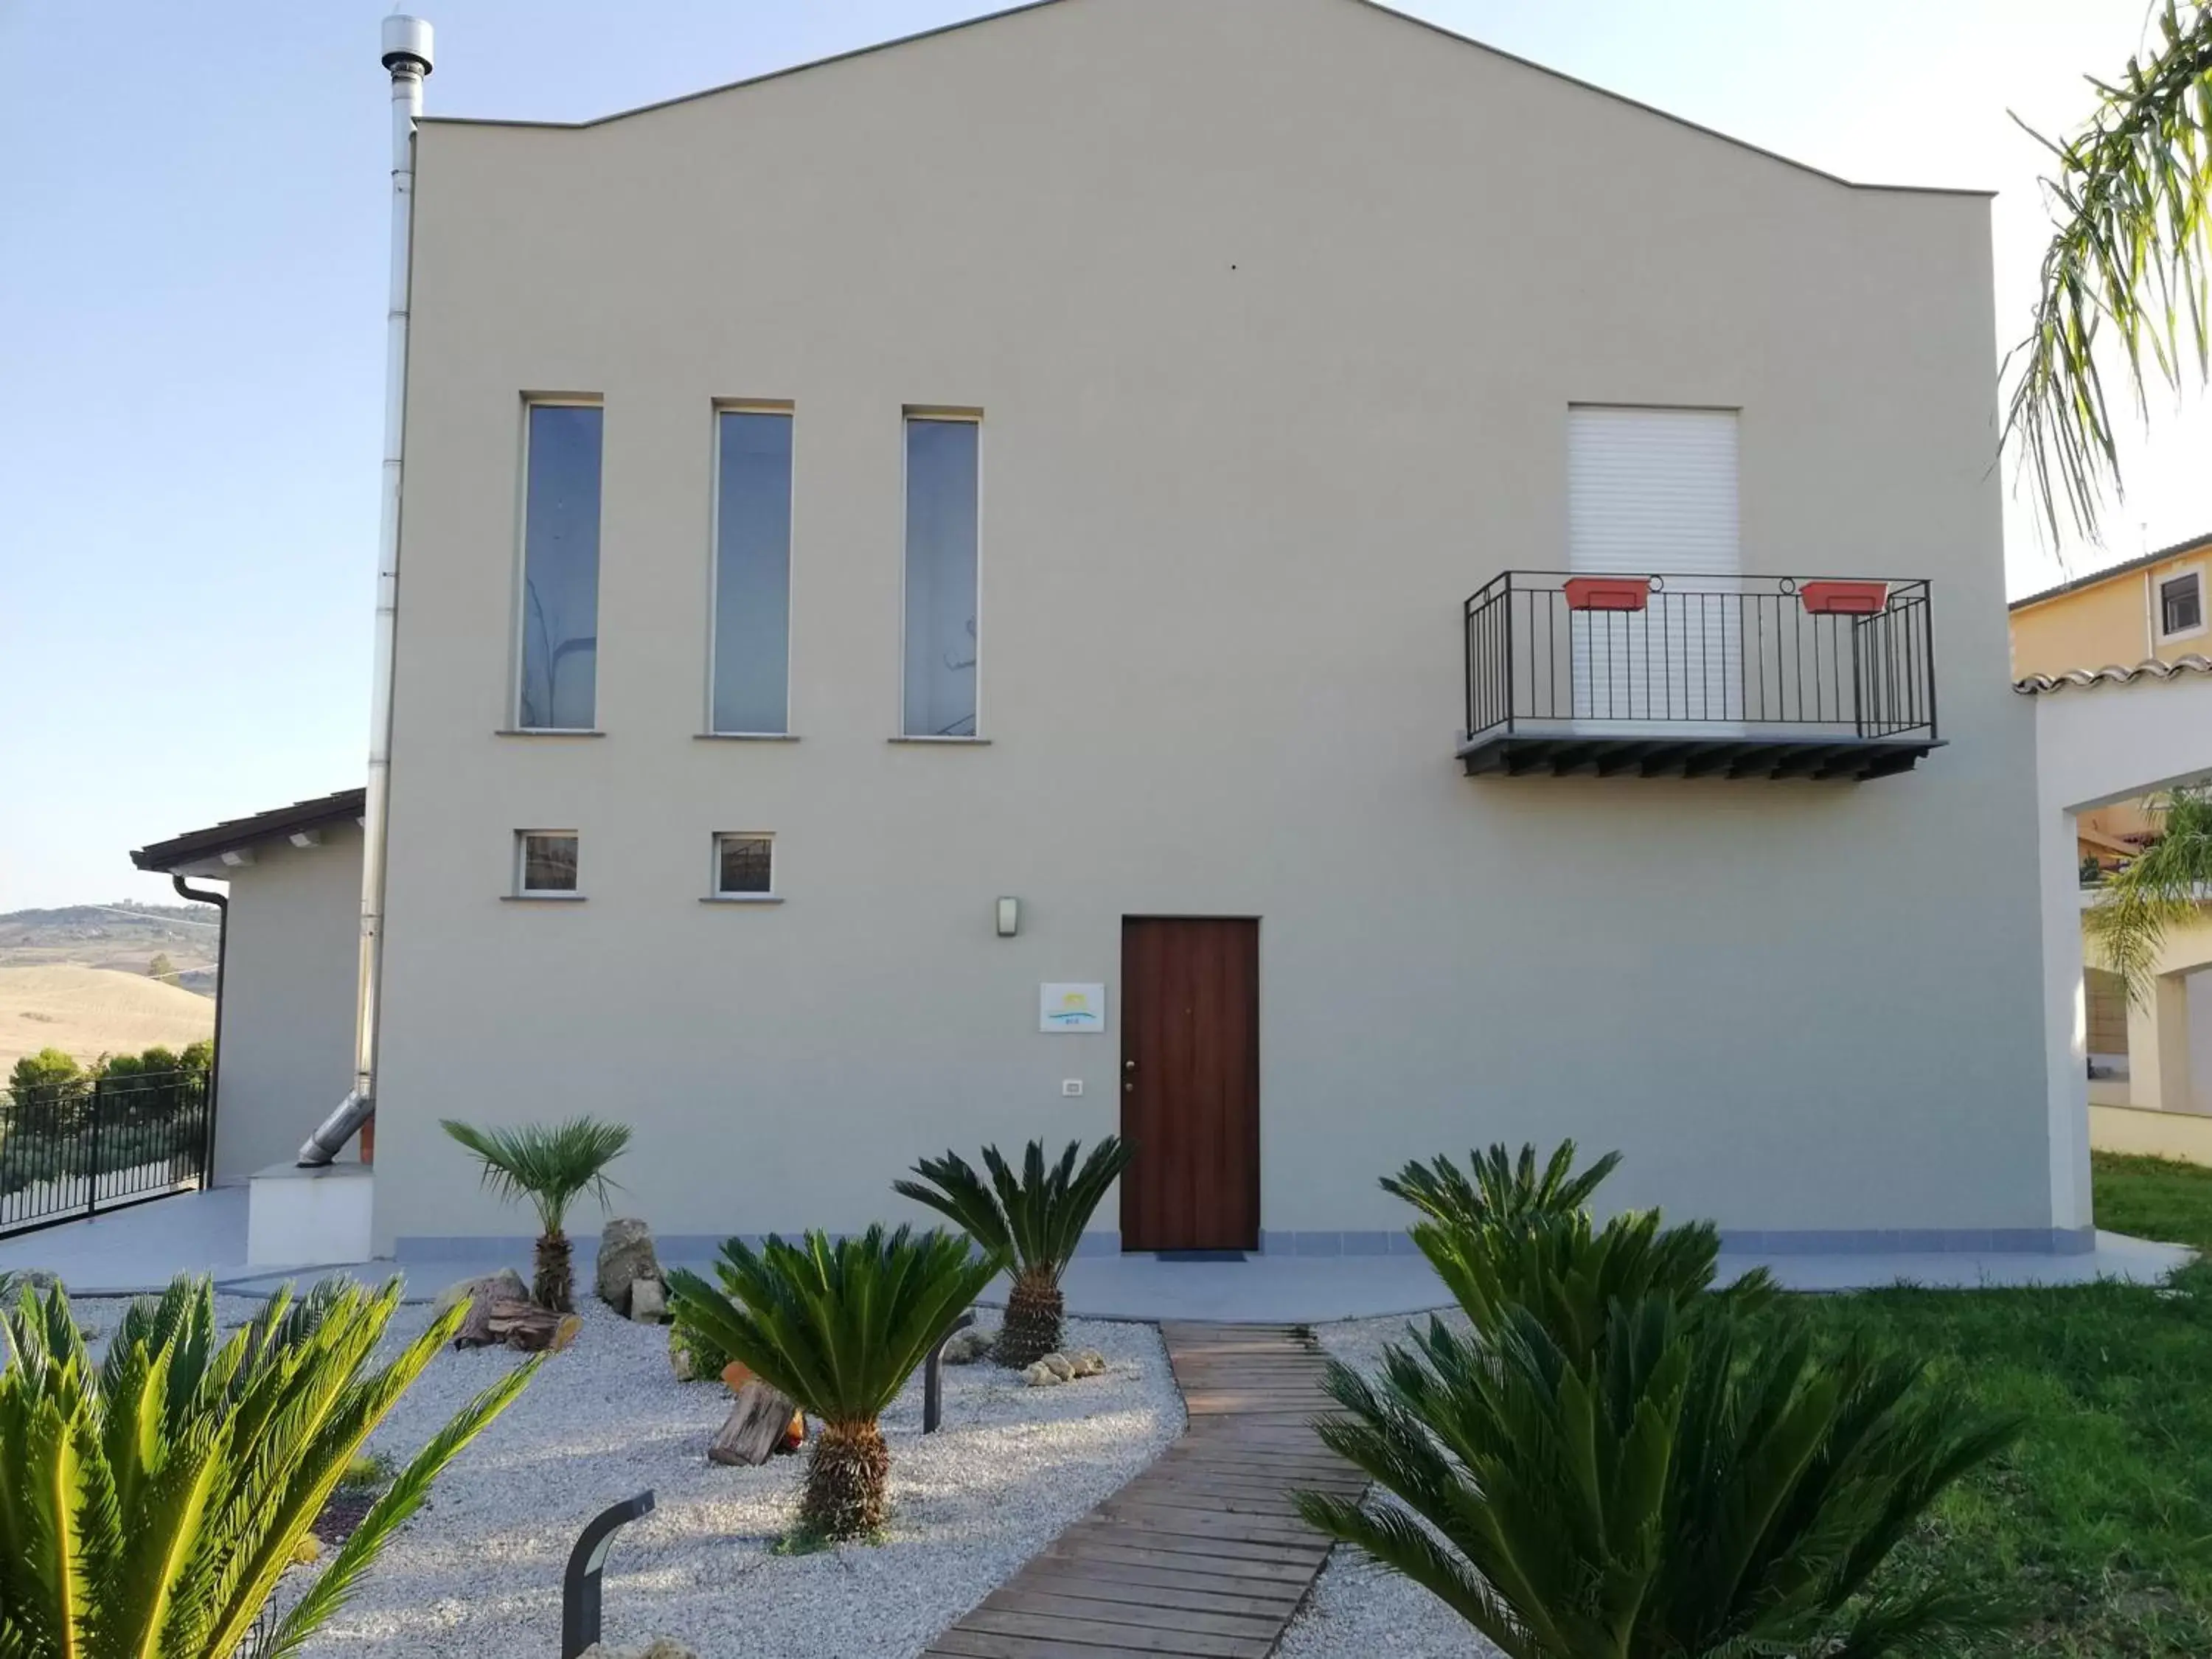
(90, 1012)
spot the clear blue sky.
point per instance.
(192, 301)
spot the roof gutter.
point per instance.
(221, 902)
(407, 48)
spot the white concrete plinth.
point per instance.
(298, 1218)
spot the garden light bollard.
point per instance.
(580, 1587)
(933, 1376)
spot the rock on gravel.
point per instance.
(479, 1570)
(1359, 1610)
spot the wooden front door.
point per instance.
(1190, 1084)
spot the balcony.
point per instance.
(1682, 676)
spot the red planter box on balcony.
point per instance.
(1844, 598)
(1609, 593)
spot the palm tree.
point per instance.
(1684, 1490)
(1034, 1221)
(838, 1327)
(1502, 1188)
(149, 1505)
(2163, 886)
(550, 1166)
(2131, 252)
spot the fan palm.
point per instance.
(551, 1166)
(1684, 1489)
(2132, 248)
(2164, 886)
(1034, 1220)
(838, 1326)
(1502, 1188)
(149, 1505)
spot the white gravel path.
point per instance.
(479, 1570)
(1359, 1610)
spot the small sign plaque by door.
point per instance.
(1071, 1007)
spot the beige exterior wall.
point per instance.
(2169, 1035)
(287, 997)
(2143, 1132)
(2113, 621)
(1274, 309)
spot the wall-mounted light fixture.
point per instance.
(1010, 917)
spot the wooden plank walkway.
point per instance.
(1202, 1555)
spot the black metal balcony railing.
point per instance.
(76, 1148)
(1683, 674)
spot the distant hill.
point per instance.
(87, 1012)
(123, 938)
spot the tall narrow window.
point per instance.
(941, 640)
(561, 570)
(2181, 606)
(752, 572)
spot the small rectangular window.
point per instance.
(561, 570)
(545, 861)
(2181, 604)
(744, 865)
(752, 573)
(941, 640)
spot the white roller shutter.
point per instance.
(1653, 492)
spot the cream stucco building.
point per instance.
(1050, 461)
(2139, 624)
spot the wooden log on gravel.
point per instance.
(523, 1326)
(760, 1422)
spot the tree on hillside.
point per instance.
(2127, 261)
(163, 969)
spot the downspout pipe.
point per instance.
(407, 45)
(221, 902)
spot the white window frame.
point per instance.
(2158, 604)
(973, 417)
(521, 576)
(789, 410)
(520, 882)
(714, 893)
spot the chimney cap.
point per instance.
(407, 40)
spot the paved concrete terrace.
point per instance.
(143, 1249)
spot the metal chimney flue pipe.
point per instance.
(406, 56)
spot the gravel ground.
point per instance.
(1358, 1609)
(478, 1570)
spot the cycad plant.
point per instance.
(1515, 1237)
(1569, 1273)
(2165, 886)
(149, 1505)
(1034, 1221)
(1502, 1188)
(1683, 1489)
(838, 1326)
(550, 1166)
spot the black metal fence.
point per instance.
(74, 1148)
(1841, 656)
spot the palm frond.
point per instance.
(1035, 1217)
(149, 1508)
(548, 1165)
(1693, 1482)
(2131, 194)
(838, 1326)
(2164, 887)
(1502, 1188)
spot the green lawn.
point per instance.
(2097, 1527)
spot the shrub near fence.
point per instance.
(71, 1147)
